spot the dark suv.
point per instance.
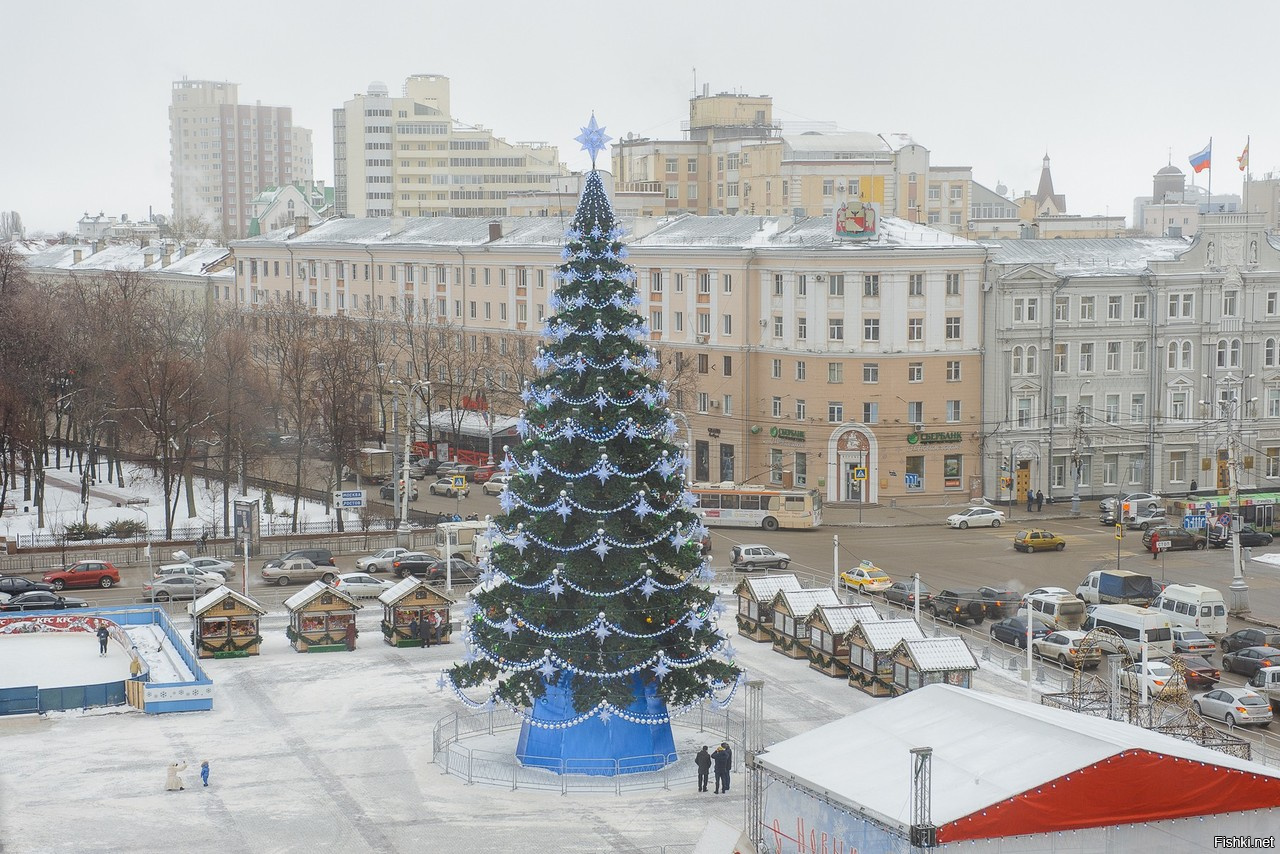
(1245, 638)
(1220, 536)
(1179, 539)
(958, 606)
(320, 557)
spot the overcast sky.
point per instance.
(1108, 89)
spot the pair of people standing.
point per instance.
(721, 759)
(1037, 499)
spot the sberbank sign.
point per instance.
(787, 433)
(933, 438)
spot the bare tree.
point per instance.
(290, 359)
(237, 386)
(340, 377)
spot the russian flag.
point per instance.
(1200, 160)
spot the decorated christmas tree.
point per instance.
(592, 619)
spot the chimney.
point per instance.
(188, 248)
(77, 255)
(495, 231)
(301, 225)
(165, 255)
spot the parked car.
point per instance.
(1159, 677)
(1220, 536)
(1145, 519)
(425, 467)
(225, 568)
(167, 587)
(320, 557)
(749, 556)
(496, 484)
(1235, 706)
(1180, 539)
(482, 474)
(1038, 540)
(188, 570)
(1242, 638)
(1197, 670)
(432, 567)
(904, 593)
(380, 562)
(389, 491)
(444, 486)
(958, 606)
(84, 573)
(467, 470)
(13, 585)
(1000, 603)
(866, 577)
(1137, 501)
(297, 569)
(1249, 660)
(362, 584)
(1066, 648)
(1193, 641)
(976, 517)
(42, 600)
(1013, 630)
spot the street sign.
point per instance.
(349, 498)
(1119, 532)
(912, 480)
(860, 473)
(1163, 545)
(1195, 520)
(459, 481)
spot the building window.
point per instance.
(953, 284)
(1138, 407)
(953, 411)
(655, 321)
(871, 329)
(691, 165)
(1230, 300)
(1273, 462)
(835, 329)
(728, 404)
(1087, 308)
(835, 412)
(1026, 310)
(915, 285)
(915, 372)
(915, 411)
(802, 329)
(1113, 409)
(1113, 355)
(704, 363)
(777, 326)
(728, 366)
(1178, 405)
(835, 285)
(1140, 307)
(800, 410)
(1273, 403)
(1229, 353)
(1179, 356)
(704, 401)
(953, 371)
(953, 329)
(726, 283)
(915, 329)
(1273, 302)
(655, 282)
(704, 323)
(673, 165)
(870, 413)
(1062, 309)
(1138, 364)
(870, 372)
(802, 285)
(775, 369)
(801, 371)
(1182, 306)
(777, 284)
(1059, 410)
(1115, 308)
(835, 372)
(726, 324)
(1086, 357)
(776, 407)
(704, 282)
(1022, 411)
(871, 285)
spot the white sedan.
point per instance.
(225, 568)
(361, 584)
(380, 562)
(1159, 677)
(976, 517)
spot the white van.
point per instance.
(1135, 626)
(1063, 609)
(1195, 607)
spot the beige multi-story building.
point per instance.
(788, 350)
(222, 153)
(737, 160)
(407, 156)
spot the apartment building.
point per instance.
(1115, 359)
(408, 156)
(223, 153)
(737, 160)
(791, 354)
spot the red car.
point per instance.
(84, 573)
(483, 473)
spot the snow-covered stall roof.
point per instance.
(1092, 256)
(937, 655)
(800, 603)
(213, 597)
(765, 588)
(978, 792)
(884, 635)
(469, 422)
(841, 618)
(402, 588)
(314, 590)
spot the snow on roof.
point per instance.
(470, 422)
(313, 590)
(1102, 256)
(884, 635)
(800, 603)
(213, 597)
(392, 595)
(860, 142)
(194, 263)
(973, 736)
(932, 655)
(841, 618)
(429, 230)
(764, 589)
(893, 233)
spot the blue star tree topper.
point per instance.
(593, 139)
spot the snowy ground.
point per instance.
(332, 752)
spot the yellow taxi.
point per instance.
(1037, 540)
(867, 577)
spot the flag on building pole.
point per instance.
(1200, 160)
(1243, 159)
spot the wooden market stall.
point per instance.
(791, 610)
(755, 604)
(226, 624)
(923, 661)
(871, 647)
(829, 627)
(322, 618)
(407, 610)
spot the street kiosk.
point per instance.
(227, 624)
(755, 604)
(791, 610)
(321, 619)
(829, 627)
(407, 610)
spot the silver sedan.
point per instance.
(1235, 706)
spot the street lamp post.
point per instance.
(1076, 462)
(1230, 409)
(404, 533)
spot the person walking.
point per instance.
(103, 636)
(1155, 545)
(173, 783)
(1039, 501)
(703, 760)
(723, 760)
(204, 773)
(433, 631)
(1031, 499)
